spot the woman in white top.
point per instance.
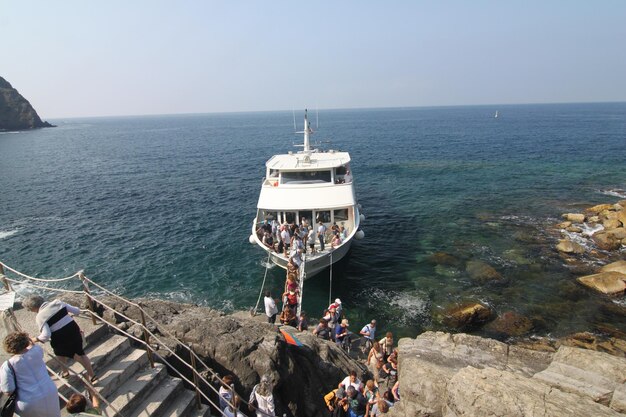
(37, 395)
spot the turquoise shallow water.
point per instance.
(161, 206)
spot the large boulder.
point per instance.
(429, 362)
(482, 272)
(621, 216)
(599, 208)
(611, 223)
(609, 283)
(493, 392)
(617, 233)
(567, 246)
(574, 217)
(16, 113)
(619, 266)
(467, 316)
(606, 241)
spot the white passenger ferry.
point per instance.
(307, 187)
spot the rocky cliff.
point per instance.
(461, 375)
(248, 348)
(441, 374)
(16, 113)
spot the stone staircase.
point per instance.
(459, 375)
(125, 377)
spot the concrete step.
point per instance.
(159, 399)
(182, 405)
(574, 386)
(120, 371)
(205, 411)
(101, 355)
(130, 394)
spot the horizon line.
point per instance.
(332, 109)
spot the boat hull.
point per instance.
(314, 264)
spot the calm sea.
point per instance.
(162, 207)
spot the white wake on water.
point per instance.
(7, 233)
(619, 193)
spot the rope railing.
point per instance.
(91, 298)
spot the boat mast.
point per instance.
(307, 132)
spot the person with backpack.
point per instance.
(369, 333)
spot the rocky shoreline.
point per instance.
(440, 373)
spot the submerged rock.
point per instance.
(567, 246)
(510, 323)
(443, 258)
(482, 272)
(467, 316)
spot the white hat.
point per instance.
(337, 301)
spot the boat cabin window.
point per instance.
(289, 217)
(340, 215)
(305, 177)
(323, 216)
(267, 215)
(342, 170)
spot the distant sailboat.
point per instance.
(496, 115)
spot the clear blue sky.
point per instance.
(97, 58)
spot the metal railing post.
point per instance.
(92, 309)
(195, 377)
(146, 337)
(6, 283)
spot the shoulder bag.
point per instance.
(8, 402)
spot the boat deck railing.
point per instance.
(150, 340)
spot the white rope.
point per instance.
(62, 380)
(166, 333)
(37, 279)
(267, 267)
(142, 342)
(28, 284)
(301, 283)
(330, 290)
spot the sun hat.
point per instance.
(337, 301)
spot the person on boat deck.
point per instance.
(296, 242)
(304, 231)
(341, 332)
(288, 317)
(271, 311)
(55, 322)
(343, 233)
(336, 240)
(285, 239)
(311, 239)
(268, 241)
(321, 234)
(296, 257)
